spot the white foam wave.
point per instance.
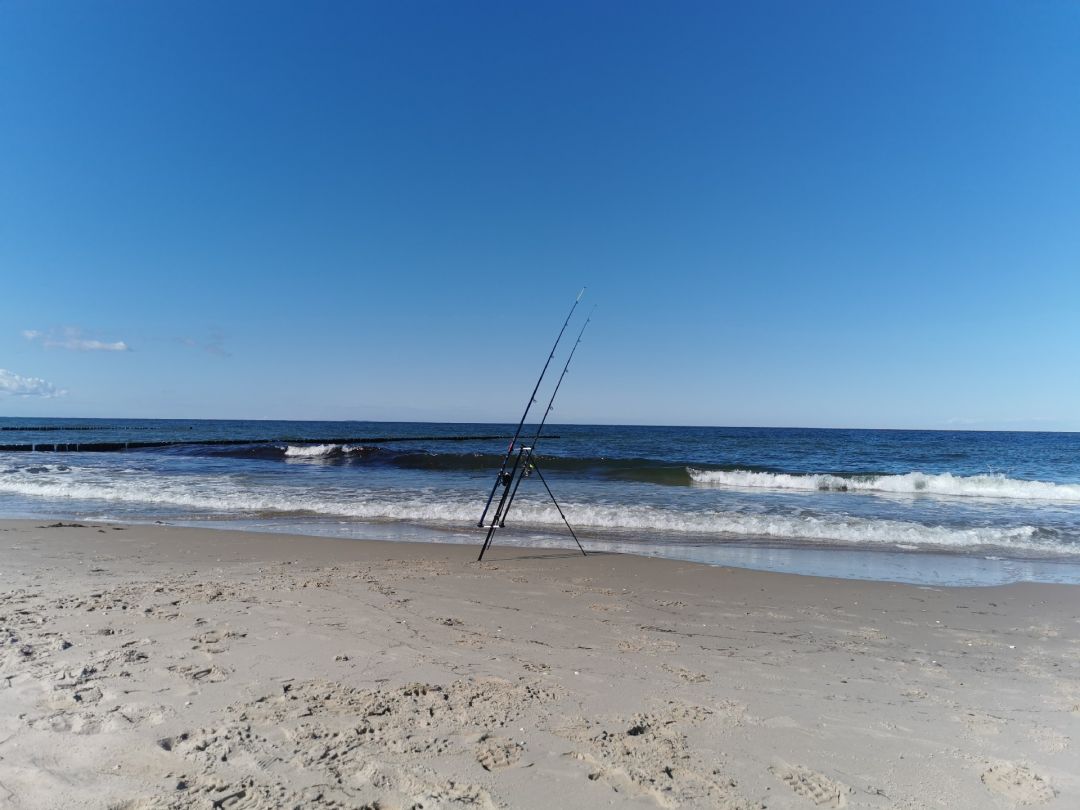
(320, 450)
(311, 450)
(236, 500)
(915, 483)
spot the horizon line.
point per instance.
(551, 424)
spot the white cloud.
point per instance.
(92, 345)
(16, 385)
(72, 338)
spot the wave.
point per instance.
(914, 483)
(652, 471)
(237, 501)
(631, 469)
(317, 450)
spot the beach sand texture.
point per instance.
(161, 667)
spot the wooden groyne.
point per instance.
(65, 428)
(115, 447)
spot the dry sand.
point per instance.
(161, 667)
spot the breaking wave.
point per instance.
(238, 501)
(629, 469)
(915, 483)
(318, 450)
(652, 471)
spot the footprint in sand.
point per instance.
(649, 756)
(1049, 739)
(533, 666)
(1017, 783)
(982, 723)
(133, 656)
(69, 722)
(818, 788)
(215, 641)
(645, 644)
(685, 674)
(202, 674)
(497, 752)
(87, 696)
(243, 794)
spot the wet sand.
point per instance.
(163, 667)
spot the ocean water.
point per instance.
(917, 506)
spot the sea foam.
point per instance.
(914, 483)
(239, 501)
(321, 450)
(312, 450)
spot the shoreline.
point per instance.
(161, 667)
(911, 566)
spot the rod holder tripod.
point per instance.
(525, 460)
(524, 466)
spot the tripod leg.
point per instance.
(500, 510)
(567, 522)
(487, 541)
(491, 497)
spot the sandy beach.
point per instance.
(163, 667)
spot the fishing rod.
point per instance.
(530, 450)
(503, 507)
(502, 477)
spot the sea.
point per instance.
(933, 508)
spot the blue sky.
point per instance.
(815, 214)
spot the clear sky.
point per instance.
(815, 214)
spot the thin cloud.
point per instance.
(71, 338)
(213, 344)
(16, 385)
(94, 346)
